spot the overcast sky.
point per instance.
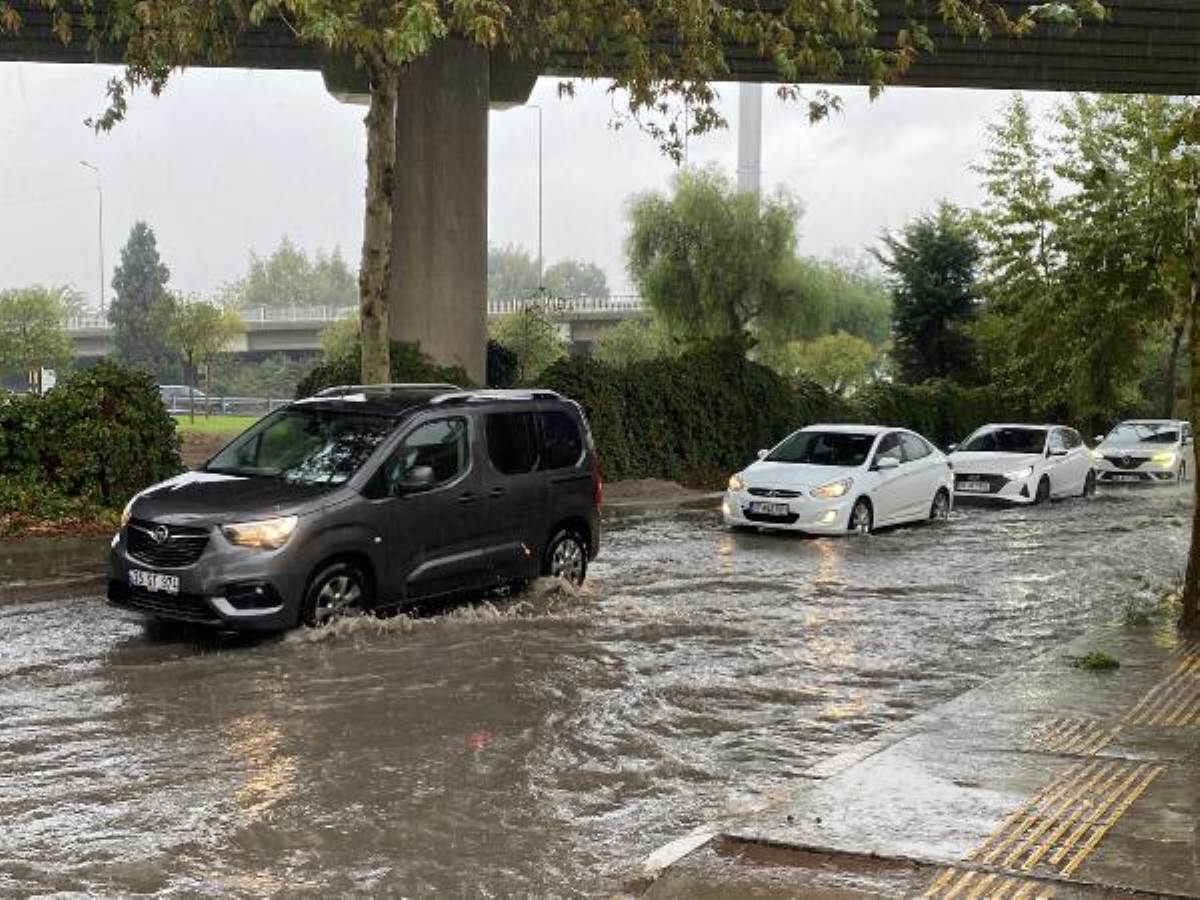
(229, 161)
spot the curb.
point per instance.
(55, 589)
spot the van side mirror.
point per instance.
(420, 478)
(885, 463)
(763, 454)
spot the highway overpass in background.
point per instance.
(298, 329)
(439, 230)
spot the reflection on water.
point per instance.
(536, 744)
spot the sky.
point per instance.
(226, 162)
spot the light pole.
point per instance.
(539, 112)
(100, 227)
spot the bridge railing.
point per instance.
(630, 304)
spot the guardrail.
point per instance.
(225, 406)
(622, 303)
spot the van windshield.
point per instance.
(824, 448)
(1006, 440)
(304, 446)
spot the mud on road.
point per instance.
(536, 745)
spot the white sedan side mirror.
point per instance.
(887, 462)
(763, 454)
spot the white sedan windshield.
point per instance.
(824, 448)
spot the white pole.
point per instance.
(749, 170)
(100, 226)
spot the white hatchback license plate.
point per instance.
(975, 487)
(1129, 478)
(154, 581)
(770, 509)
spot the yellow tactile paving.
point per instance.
(969, 884)
(1062, 825)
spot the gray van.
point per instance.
(366, 498)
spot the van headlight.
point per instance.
(737, 483)
(266, 534)
(1019, 474)
(834, 489)
(1166, 460)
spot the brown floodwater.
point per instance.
(535, 745)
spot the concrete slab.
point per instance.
(45, 568)
(1084, 781)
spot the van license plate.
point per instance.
(154, 581)
(770, 509)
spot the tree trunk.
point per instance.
(375, 273)
(1173, 367)
(191, 379)
(207, 388)
(1191, 584)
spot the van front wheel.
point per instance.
(566, 557)
(337, 590)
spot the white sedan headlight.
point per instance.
(1166, 460)
(267, 534)
(1019, 474)
(737, 483)
(834, 489)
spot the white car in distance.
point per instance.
(833, 479)
(1145, 451)
(1022, 464)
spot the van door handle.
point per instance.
(496, 492)
(468, 497)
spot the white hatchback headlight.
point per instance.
(1019, 474)
(266, 534)
(737, 483)
(834, 489)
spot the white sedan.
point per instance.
(830, 479)
(1145, 451)
(1023, 464)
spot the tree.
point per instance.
(932, 263)
(533, 336)
(31, 333)
(511, 273)
(199, 330)
(804, 40)
(841, 363)
(289, 278)
(140, 291)
(633, 341)
(340, 339)
(715, 262)
(574, 278)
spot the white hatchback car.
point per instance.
(1143, 451)
(1023, 464)
(830, 479)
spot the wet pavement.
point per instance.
(537, 745)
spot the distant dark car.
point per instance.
(366, 498)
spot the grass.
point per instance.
(229, 425)
(1095, 661)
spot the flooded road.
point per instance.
(539, 745)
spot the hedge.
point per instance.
(408, 364)
(99, 436)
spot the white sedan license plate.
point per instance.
(770, 509)
(976, 487)
(1129, 478)
(154, 581)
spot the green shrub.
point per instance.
(1095, 661)
(693, 419)
(408, 364)
(98, 437)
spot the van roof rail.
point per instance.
(484, 395)
(342, 389)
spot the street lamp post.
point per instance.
(540, 258)
(100, 226)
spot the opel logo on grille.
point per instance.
(160, 534)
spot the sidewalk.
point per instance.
(45, 568)
(1051, 781)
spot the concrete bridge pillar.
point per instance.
(438, 294)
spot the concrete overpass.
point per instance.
(298, 329)
(439, 237)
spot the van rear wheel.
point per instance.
(566, 557)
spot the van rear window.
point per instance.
(562, 440)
